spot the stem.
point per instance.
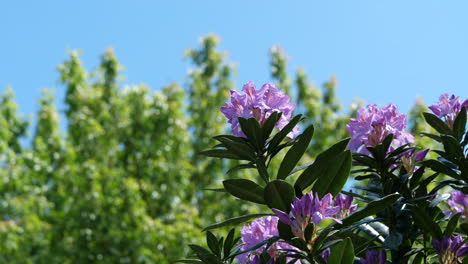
(262, 168)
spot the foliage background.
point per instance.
(123, 182)
(108, 173)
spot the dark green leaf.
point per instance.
(279, 194)
(252, 130)
(241, 149)
(234, 221)
(215, 189)
(245, 189)
(285, 231)
(309, 231)
(323, 235)
(459, 125)
(276, 140)
(439, 125)
(465, 261)
(464, 228)
(221, 153)
(434, 137)
(342, 253)
(205, 255)
(262, 170)
(452, 147)
(299, 243)
(451, 225)
(302, 167)
(321, 165)
(259, 245)
(188, 261)
(269, 124)
(228, 243)
(370, 209)
(418, 259)
(334, 175)
(213, 244)
(295, 153)
(426, 223)
(249, 165)
(438, 166)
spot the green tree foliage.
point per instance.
(121, 178)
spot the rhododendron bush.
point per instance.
(375, 197)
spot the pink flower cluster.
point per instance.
(373, 124)
(259, 104)
(311, 209)
(258, 231)
(448, 107)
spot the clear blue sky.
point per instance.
(381, 51)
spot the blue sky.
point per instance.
(380, 51)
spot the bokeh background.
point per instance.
(102, 167)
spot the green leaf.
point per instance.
(418, 259)
(381, 150)
(459, 124)
(249, 165)
(220, 153)
(269, 124)
(452, 147)
(262, 170)
(251, 129)
(426, 223)
(429, 135)
(188, 261)
(438, 166)
(228, 243)
(245, 189)
(295, 153)
(465, 261)
(309, 231)
(302, 167)
(439, 125)
(276, 140)
(370, 209)
(213, 244)
(234, 221)
(269, 241)
(279, 194)
(342, 253)
(335, 175)
(323, 165)
(205, 255)
(452, 225)
(323, 235)
(241, 149)
(285, 231)
(464, 228)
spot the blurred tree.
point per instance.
(124, 178)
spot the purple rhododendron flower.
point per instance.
(420, 155)
(450, 249)
(410, 158)
(448, 107)
(308, 209)
(345, 203)
(374, 257)
(259, 104)
(458, 203)
(373, 124)
(326, 254)
(258, 231)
